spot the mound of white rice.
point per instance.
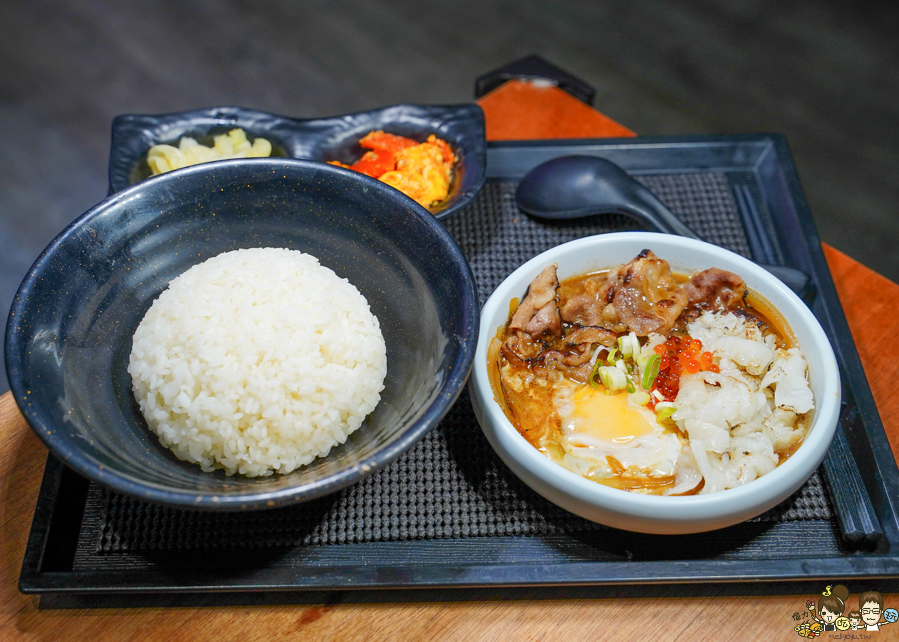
(257, 361)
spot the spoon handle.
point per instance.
(646, 207)
(796, 280)
(576, 186)
(642, 204)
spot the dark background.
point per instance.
(824, 73)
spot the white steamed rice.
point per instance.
(257, 361)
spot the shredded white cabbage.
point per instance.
(738, 418)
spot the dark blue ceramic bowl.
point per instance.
(320, 139)
(69, 333)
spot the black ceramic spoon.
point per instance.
(578, 186)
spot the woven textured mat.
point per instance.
(451, 484)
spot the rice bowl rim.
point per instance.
(66, 448)
(653, 513)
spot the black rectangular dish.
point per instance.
(448, 514)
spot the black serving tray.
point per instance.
(858, 538)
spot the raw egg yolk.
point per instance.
(609, 417)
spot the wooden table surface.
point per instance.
(514, 110)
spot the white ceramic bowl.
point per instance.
(650, 513)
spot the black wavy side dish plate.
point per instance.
(319, 139)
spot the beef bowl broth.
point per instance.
(653, 381)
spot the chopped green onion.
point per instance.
(650, 371)
(641, 398)
(612, 378)
(631, 388)
(635, 345)
(613, 353)
(664, 410)
(593, 374)
(624, 344)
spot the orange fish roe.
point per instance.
(677, 356)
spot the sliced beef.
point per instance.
(715, 290)
(585, 308)
(645, 297)
(538, 313)
(568, 358)
(522, 345)
(579, 334)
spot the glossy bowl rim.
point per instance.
(651, 513)
(63, 448)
